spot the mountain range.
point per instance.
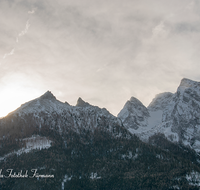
(177, 115)
(86, 147)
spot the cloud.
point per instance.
(31, 12)
(159, 31)
(23, 32)
(8, 54)
(139, 48)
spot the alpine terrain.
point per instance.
(177, 115)
(47, 144)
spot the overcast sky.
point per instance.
(104, 51)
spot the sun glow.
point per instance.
(14, 94)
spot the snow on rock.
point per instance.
(193, 178)
(160, 102)
(46, 103)
(130, 155)
(32, 143)
(134, 114)
(91, 117)
(177, 115)
(66, 178)
(37, 142)
(155, 118)
(188, 84)
(94, 176)
(196, 145)
(62, 117)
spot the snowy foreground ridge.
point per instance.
(177, 115)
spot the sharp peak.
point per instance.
(187, 82)
(81, 103)
(133, 99)
(48, 95)
(187, 79)
(134, 102)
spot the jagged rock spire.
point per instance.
(188, 83)
(81, 103)
(48, 95)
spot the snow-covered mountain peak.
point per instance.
(81, 103)
(48, 95)
(177, 115)
(161, 101)
(46, 103)
(134, 106)
(188, 91)
(49, 112)
(134, 114)
(188, 84)
(134, 100)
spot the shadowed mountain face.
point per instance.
(86, 147)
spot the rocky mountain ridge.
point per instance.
(177, 116)
(86, 147)
(62, 117)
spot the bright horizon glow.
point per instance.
(21, 95)
(102, 51)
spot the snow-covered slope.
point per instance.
(31, 143)
(151, 122)
(46, 103)
(160, 102)
(134, 114)
(183, 116)
(47, 111)
(177, 115)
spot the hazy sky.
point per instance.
(104, 51)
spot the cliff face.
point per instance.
(134, 114)
(177, 116)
